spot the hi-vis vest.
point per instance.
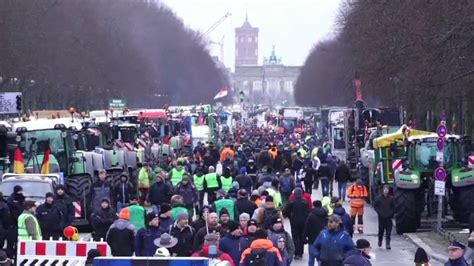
(211, 180)
(22, 232)
(226, 183)
(176, 176)
(199, 182)
(357, 194)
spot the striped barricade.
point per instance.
(47, 260)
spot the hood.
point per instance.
(201, 211)
(243, 170)
(122, 224)
(326, 201)
(340, 211)
(320, 212)
(261, 243)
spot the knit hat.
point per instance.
(224, 211)
(317, 204)
(164, 208)
(150, 216)
(17, 188)
(252, 222)
(124, 214)
(244, 216)
(211, 239)
(277, 220)
(255, 193)
(243, 170)
(232, 226)
(261, 234)
(421, 256)
(49, 195)
(242, 192)
(181, 216)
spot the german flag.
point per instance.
(45, 164)
(18, 164)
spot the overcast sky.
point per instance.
(293, 26)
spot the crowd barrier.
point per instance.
(156, 261)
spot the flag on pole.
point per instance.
(18, 164)
(45, 165)
(222, 93)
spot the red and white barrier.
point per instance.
(128, 146)
(60, 248)
(397, 165)
(47, 260)
(77, 209)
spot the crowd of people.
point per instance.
(220, 201)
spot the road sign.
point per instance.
(440, 188)
(440, 174)
(442, 131)
(8, 102)
(117, 104)
(440, 144)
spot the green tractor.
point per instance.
(408, 163)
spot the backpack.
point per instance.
(258, 257)
(268, 216)
(286, 185)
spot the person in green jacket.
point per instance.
(223, 201)
(177, 206)
(212, 183)
(226, 179)
(28, 225)
(176, 174)
(137, 213)
(144, 181)
(326, 201)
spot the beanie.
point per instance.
(150, 216)
(224, 211)
(232, 226)
(17, 188)
(164, 208)
(49, 195)
(124, 214)
(182, 216)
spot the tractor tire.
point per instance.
(114, 176)
(78, 185)
(462, 203)
(407, 210)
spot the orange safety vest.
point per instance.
(357, 194)
(273, 154)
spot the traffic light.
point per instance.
(242, 96)
(18, 103)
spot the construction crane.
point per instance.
(221, 46)
(216, 24)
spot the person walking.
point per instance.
(357, 194)
(248, 236)
(342, 176)
(64, 203)
(189, 192)
(297, 211)
(244, 180)
(165, 217)
(121, 236)
(101, 220)
(144, 177)
(5, 220)
(287, 184)
(324, 174)
(384, 205)
(456, 252)
(223, 201)
(308, 177)
(345, 218)
(28, 226)
(267, 214)
(332, 244)
(212, 183)
(160, 192)
(213, 227)
(283, 252)
(360, 257)
(182, 231)
(210, 249)
(123, 192)
(15, 204)
(137, 213)
(200, 222)
(230, 242)
(315, 223)
(261, 252)
(243, 204)
(48, 216)
(276, 231)
(198, 180)
(144, 240)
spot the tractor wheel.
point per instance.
(462, 203)
(114, 175)
(79, 185)
(407, 210)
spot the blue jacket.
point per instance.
(144, 245)
(346, 220)
(231, 245)
(333, 245)
(459, 262)
(357, 259)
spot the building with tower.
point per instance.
(246, 45)
(271, 83)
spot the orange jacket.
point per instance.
(226, 151)
(261, 244)
(273, 153)
(357, 194)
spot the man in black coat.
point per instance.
(64, 204)
(297, 210)
(5, 220)
(343, 175)
(48, 216)
(384, 205)
(121, 236)
(101, 220)
(245, 182)
(185, 235)
(160, 192)
(123, 192)
(315, 223)
(15, 203)
(243, 204)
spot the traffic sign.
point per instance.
(440, 188)
(442, 131)
(10, 102)
(440, 174)
(117, 104)
(440, 144)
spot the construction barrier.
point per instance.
(29, 250)
(46, 260)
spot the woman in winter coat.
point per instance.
(284, 254)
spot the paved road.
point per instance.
(401, 254)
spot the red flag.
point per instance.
(222, 93)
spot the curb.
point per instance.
(420, 243)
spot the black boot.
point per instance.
(380, 243)
(387, 245)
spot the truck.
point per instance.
(289, 119)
